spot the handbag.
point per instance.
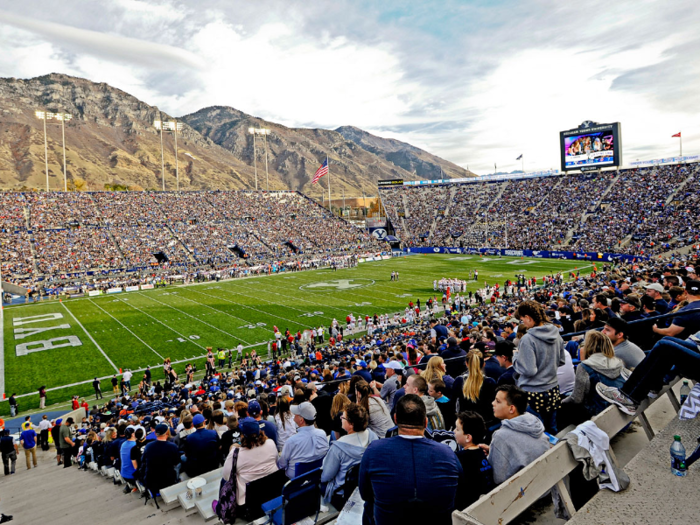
(225, 506)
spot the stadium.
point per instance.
(210, 335)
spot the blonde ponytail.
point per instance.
(475, 379)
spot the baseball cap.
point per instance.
(198, 420)
(161, 429)
(656, 286)
(693, 287)
(394, 365)
(249, 427)
(361, 363)
(633, 300)
(305, 410)
(254, 408)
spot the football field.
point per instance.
(56, 343)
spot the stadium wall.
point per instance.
(541, 254)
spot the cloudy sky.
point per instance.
(476, 82)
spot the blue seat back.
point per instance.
(301, 497)
(302, 468)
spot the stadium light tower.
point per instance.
(264, 132)
(62, 117)
(159, 126)
(174, 126)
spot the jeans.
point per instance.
(67, 453)
(668, 353)
(30, 453)
(9, 460)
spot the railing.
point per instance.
(515, 495)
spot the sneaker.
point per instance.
(613, 395)
(4, 518)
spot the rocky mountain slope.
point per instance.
(111, 140)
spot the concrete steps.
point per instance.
(70, 496)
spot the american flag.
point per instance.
(321, 171)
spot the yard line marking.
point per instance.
(91, 338)
(165, 325)
(251, 308)
(132, 333)
(216, 310)
(193, 317)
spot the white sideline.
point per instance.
(90, 336)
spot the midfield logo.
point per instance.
(338, 284)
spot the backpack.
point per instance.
(594, 403)
(225, 507)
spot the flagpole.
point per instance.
(330, 209)
(680, 140)
(522, 163)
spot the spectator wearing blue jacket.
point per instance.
(346, 452)
(409, 478)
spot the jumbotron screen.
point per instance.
(589, 148)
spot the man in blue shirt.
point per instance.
(654, 291)
(201, 449)
(28, 440)
(361, 371)
(308, 444)
(269, 429)
(687, 324)
(409, 478)
(127, 468)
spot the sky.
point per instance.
(476, 82)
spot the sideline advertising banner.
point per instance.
(541, 254)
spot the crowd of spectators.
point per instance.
(49, 235)
(625, 211)
(463, 398)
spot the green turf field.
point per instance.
(135, 329)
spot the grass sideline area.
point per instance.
(136, 329)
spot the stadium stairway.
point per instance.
(546, 195)
(115, 243)
(50, 493)
(190, 255)
(682, 185)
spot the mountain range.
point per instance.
(111, 140)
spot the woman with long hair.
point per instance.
(379, 416)
(257, 457)
(340, 402)
(284, 421)
(437, 369)
(598, 365)
(540, 353)
(476, 391)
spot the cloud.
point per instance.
(473, 82)
(112, 47)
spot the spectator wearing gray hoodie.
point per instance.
(540, 353)
(520, 440)
(346, 452)
(417, 385)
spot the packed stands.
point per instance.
(50, 235)
(644, 211)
